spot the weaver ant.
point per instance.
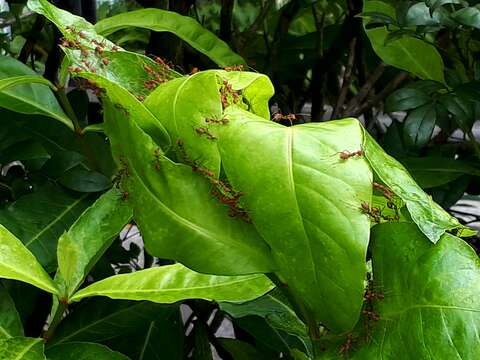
(344, 155)
(234, 68)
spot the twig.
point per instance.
(226, 20)
(393, 85)
(347, 79)
(365, 89)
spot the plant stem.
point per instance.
(62, 96)
(57, 318)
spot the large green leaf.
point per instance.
(130, 327)
(17, 263)
(406, 53)
(178, 217)
(186, 105)
(132, 108)
(34, 98)
(435, 171)
(431, 308)
(83, 351)
(50, 210)
(93, 53)
(432, 220)
(171, 283)
(186, 28)
(21, 348)
(89, 237)
(10, 323)
(305, 201)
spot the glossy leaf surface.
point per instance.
(406, 53)
(10, 323)
(186, 28)
(25, 98)
(172, 283)
(432, 220)
(141, 330)
(50, 210)
(178, 217)
(306, 205)
(83, 351)
(21, 348)
(18, 263)
(431, 308)
(89, 237)
(187, 105)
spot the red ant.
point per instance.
(105, 61)
(345, 347)
(234, 68)
(124, 195)
(344, 155)
(222, 121)
(140, 97)
(74, 69)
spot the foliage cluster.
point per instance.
(311, 238)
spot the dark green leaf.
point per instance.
(410, 54)
(463, 110)
(132, 328)
(435, 171)
(419, 125)
(405, 99)
(184, 27)
(83, 351)
(50, 210)
(469, 16)
(82, 180)
(419, 15)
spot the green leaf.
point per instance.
(432, 220)
(463, 110)
(435, 171)
(419, 125)
(276, 312)
(186, 28)
(83, 351)
(306, 205)
(82, 180)
(419, 15)
(10, 323)
(431, 308)
(89, 237)
(92, 53)
(186, 104)
(407, 53)
(17, 263)
(21, 90)
(50, 210)
(130, 327)
(26, 79)
(434, 4)
(406, 99)
(194, 227)
(171, 283)
(469, 16)
(21, 348)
